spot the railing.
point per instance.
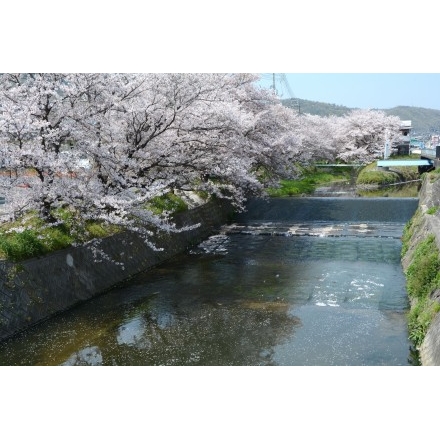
(431, 153)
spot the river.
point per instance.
(299, 281)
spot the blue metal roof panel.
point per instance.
(403, 163)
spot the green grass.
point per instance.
(433, 210)
(409, 230)
(309, 182)
(33, 238)
(433, 175)
(372, 175)
(30, 237)
(167, 203)
(312, 178)
(419, 319)
(423, 278)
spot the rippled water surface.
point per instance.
(284, 289)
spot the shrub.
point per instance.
(21, 245)
(166, 203)
(308, 183)
(371, 175)
(31, 237)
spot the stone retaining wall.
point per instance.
(38, 288)
(429, 196)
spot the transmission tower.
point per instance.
(281, 87)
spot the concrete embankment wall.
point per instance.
(38, 288)
(429, 197)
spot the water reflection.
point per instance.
(260, 293)
(349, 189)
(87, 356)
(223, 334)
(410, 189)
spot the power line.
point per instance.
(281, 87)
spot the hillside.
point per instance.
(317, 108)
(425, 121)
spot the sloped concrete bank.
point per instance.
(425, 224)
(38, 288)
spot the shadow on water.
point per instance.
(347, 189)
(194, 310)
(410, 189)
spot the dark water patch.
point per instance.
(308, 209)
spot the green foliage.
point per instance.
(432, 210)
(376, 177)
(423, 278)
(310, 180)
(432, 175)
(97, 229)
(420, 317)
(372, 175)
(166, 203)
(21, 245)
(408, 230)
(292, 188)
(203, 195)
(423, 274)
(31, 237)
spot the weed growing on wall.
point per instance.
(409, 229)
(31, 237)
(433, 210)
(423, 278)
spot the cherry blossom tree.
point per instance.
(144, 135)
(318, 136)
(361, 135)
(32, 130)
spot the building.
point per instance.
(402, 147)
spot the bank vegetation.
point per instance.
(421, 260)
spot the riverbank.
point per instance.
(38, 288)
(356, 181)
(291, 281)
(421, 264)
(372, 176)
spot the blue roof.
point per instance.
(403, 163)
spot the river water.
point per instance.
(299, 281)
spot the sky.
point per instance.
(381, 58)
(362, 90)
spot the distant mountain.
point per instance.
(316, 108)
(424, 121)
